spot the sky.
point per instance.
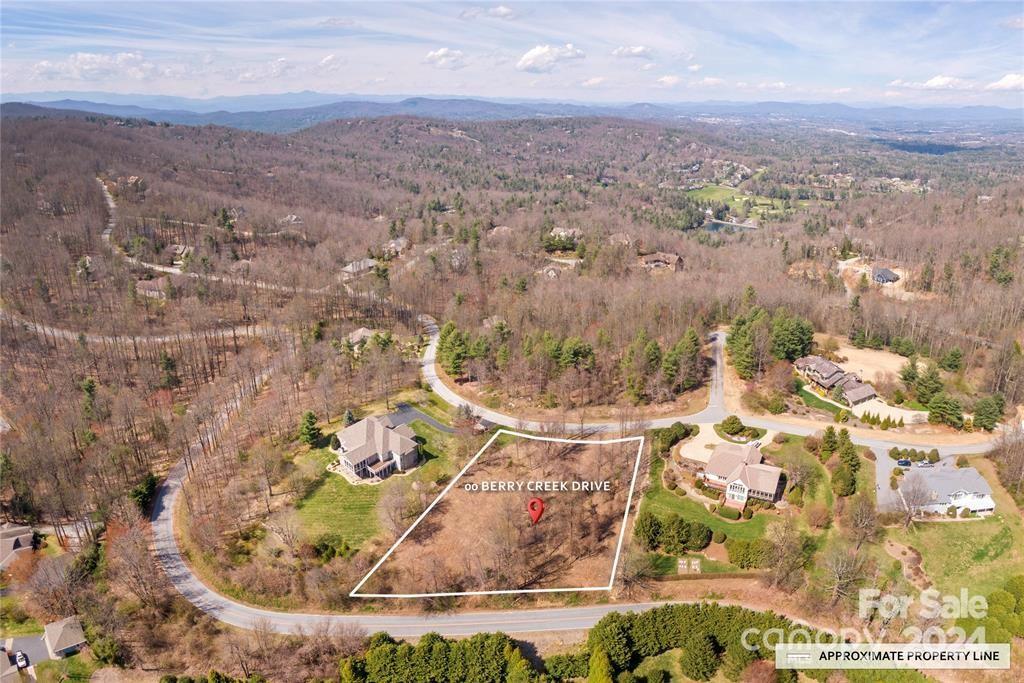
(898, 53)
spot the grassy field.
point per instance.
(663, 502)
(13, 619)
(816, 490)
(78, 667)
(980, 553)
(812, 401)
(333, 505)
(733, 439)
(760, 205)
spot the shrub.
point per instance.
(718, 537)
(747, 513)
(647, 529)
(748, 554)
(951, 511)
(777, 404)
(729, 513)
(795, 497)
(962, 461)
(565, 667)
(143, 493)
(671, 485)
(335, 442)
(933, 456)
(700, 659)
(732, 425)
(965, 513)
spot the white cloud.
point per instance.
(694, 68)
(710, 82)
(499, 12)
(939, 82)
(337, 22)
(330, 63)
(544, 58)
(275, 68)
(637, 51)
(841, 91)
(1008, 82)
(648, 66)
(593, 82)
(773, 85)
(91, 66)
(1015, 22)
(668, 81)
(446, 58)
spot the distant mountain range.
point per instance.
(277, 119)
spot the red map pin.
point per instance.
(536, 508)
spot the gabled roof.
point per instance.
(374, 437)
(736, 462)
(943, 482)
(60, 635)
(360, 265)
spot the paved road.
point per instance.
(714, 412)
(513, 621)
(405, 413)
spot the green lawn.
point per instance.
(816, 490)
(78, 667)
(980, 553)
(332, 505)
(666, 661)
(13, 619)
(813, 401)
(733, 439)
(663, 502)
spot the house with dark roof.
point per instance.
(375, 448)
(738, 470)
(884, 276)
(832, 379)
(64, 638)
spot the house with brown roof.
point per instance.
(64, 638)
(376, 447)
(832, 379)
(738, 470)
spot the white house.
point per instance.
(738, 471)
(962, 488)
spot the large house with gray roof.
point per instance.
(375, 448)
(831, 378)
(961, 488)
(737, 470)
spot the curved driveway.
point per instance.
(237, 614)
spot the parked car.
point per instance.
(905, 464)
(924, 463)
(21, 659)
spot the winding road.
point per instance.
(237, 614)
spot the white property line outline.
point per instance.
(618, 548)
